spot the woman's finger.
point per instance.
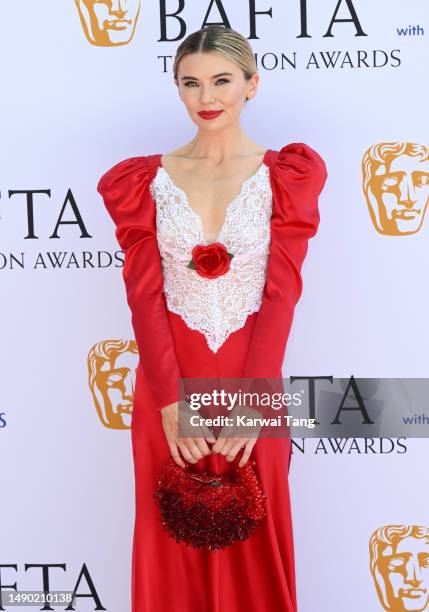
(175, 454)
(203, 446)
(187, 455)
(219, 445)
(232, 453)
(247, 450)
(226, 433)
(194, 449)
(229, 443)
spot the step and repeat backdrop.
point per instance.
(88, 83)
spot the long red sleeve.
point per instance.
(125, 189)
(298, 176)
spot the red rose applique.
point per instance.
(211, 260)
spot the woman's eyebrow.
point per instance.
(215, 76)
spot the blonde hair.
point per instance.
(220, 39)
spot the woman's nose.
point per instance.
(206, 95)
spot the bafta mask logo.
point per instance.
(108, 23)
(112, 366)
(396, 186)
(399, 562)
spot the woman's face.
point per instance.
(210, 82)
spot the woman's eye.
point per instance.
(219, 81)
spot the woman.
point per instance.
(222, 193)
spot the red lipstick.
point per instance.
(210, 114)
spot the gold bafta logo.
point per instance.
(108, 23)
(399, 562)
(396, 186)
(112, 368)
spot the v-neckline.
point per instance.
(229, 206)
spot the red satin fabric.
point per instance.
(256, 575)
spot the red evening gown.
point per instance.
(256, 575)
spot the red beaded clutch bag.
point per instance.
(209, 511)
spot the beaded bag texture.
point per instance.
(210, 511)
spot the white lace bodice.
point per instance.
(215, 307)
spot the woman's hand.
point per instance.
(229, 443)
(192, 448)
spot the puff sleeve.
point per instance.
(297, 176)
(125, 189)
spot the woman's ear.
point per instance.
(253, 86)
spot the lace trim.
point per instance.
(214, 307)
